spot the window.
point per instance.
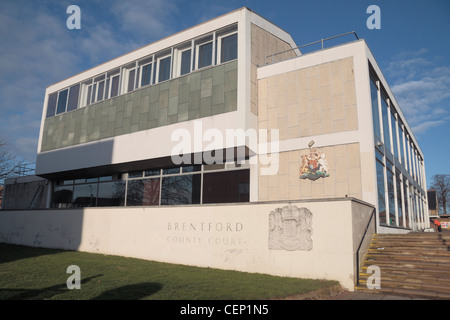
(391, 193)
(204, 53)
(94, 90)
(399, 197)
(381, 189)
(85, 195)
(228, 48)
(51, 104)
(73, 97)
(394, 134)
(185, 64)
(62, 101)
(111, 194)
(143, 192)
(129, 78)
(401, 138)
(386, 136)
(146, 74)
(375, 110)
(406, 199)
(163, 68)
(115, 81)
(226, 187)
(62, 196)
(182, 189)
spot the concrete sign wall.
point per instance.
(314, 239)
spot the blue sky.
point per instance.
(37, 49)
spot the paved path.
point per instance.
(370, 296)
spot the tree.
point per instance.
(441, 183)
(8, 161)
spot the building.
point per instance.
(226, 129)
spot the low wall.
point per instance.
(308, 239)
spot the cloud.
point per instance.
(422, 89)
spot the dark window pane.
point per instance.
(229, 48)
(85, 195)
(391, 195)
(135, 174)
(375, 113)
(146, 74)
(152, 172)
(62, 197)
(387, 141)
(143, 192)
(406, 198)
(227, 186)
(51, 105)
(73, 97)
(185, 62)
(111, 194)
(205, 55)
(181, 190)
(62, 101)
(394, 134)
(399, 198)
(171, 170)
(101, 89)
(164, 69)
(107, 89)
(131, 76)
(115, 86)
(193, 168)
(381, 194)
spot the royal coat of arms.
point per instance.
(314, 165)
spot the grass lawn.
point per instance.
(38, 274)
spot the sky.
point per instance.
(37, 49)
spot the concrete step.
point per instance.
(416, 264)
(406, 293)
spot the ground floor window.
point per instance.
(225, 183)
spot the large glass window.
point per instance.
(406, 200)
(381, 189)
(143, 192)
(111, 194)
(391, 193)
(399, 198)
(375, 112)
(394, 134)
(402, 145)
(386, 137)
(226, 187)
(182, 189)
(85, 195)
(62, 196)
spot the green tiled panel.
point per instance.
(201, 94)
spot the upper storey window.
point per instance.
(204, 53)
(210, 49)
(227, 47)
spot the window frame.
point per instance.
(219, 46)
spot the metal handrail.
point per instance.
(360, 244)
(309, 44)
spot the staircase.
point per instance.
(416, 264)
